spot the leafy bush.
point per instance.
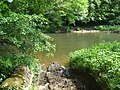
(60, 13)
(102, 61)
(3, 7)
(115, 21)
(64, 13)
(107, 27)
(103, 10)
(22, 33)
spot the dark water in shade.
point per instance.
(66, 43)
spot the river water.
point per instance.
(69, 42)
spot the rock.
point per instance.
(42, 74)
(41, 87)
(57, 78)
(116, 31)
(72, 88)
(63, 67)
(67, 72)
(46, 85)
(51, 78)
(58, 70)
(21, 78)
(41, 77)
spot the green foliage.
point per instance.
(63, 13)
(60, 13)
(22, 31)
(8, 64)
(103, 9)
(107, 27)
(102, 61)
(31, 6)
(21, 38)
(115, 21)
(3, 7)
(9, 88)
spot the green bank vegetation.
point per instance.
(23, 21)
(108, 28)
(63, 15)
(19, 40)
(102, 61)
(113, 25)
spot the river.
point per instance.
(69, 42)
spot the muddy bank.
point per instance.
(57, 77)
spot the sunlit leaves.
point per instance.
(60, 13)
(108, 27)
(22, 31)
(3, 7)
(102, 61)
(103, 9)
(10, 1)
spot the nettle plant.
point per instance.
(102, 61)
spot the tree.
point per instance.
(102, 10)
(21, 37)
(60, 13)
(63, 13)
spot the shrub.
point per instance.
(102, 61)
(107, 27)
(115, 21)
(22, 33)
(60, 13)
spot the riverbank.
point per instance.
(57, 77)
(94, 31)
(85, 31)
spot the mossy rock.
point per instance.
(13, 82)
(18, 79)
